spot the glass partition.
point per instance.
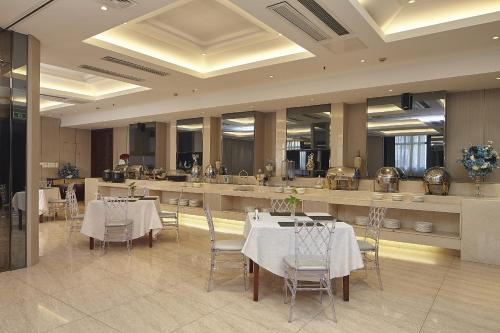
(406, 132)
(13, 130)
(189, 142)
(308, 139)
(238, 140)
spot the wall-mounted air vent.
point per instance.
(292, 15)
(111, 73)
(118, 4)
(135, 66)
(324, 16)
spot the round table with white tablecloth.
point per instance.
(44, 196)
(143, 213)
(267, 243)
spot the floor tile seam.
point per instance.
(193, 321)
(437, 294)
(96, 319)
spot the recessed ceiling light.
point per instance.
(280, 34)
(411, 1)
(104, 8)
(363, 60)
(203, 54)
(390, 90)
(271, 76)
(498, 78)
(495, 37)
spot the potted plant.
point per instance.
(131, 189)
(479, 161)
(293, 201)
(68, 171)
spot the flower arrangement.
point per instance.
(479, 161)
(68, 171)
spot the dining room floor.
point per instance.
(163, 289)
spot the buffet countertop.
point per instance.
(450, 204)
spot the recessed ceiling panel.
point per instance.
(203, 38)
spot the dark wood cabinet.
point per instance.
(102, 151)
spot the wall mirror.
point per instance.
(406, 132)
(142, 143)
(308, 132)
(238, 142)
(189, 142)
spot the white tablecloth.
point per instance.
(144, 213)
(267, 244)
(44, 195)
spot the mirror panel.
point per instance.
(308, 132)
(238, 142)
(142, 143)
(406, 132)
(189, 142)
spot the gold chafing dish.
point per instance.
(343, 178)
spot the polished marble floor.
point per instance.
(162, 289)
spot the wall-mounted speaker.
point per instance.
(407, 101)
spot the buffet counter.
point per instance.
(454, 217)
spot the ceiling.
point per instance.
(215, 56)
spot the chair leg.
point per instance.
(285, 289)
(330, 294)
(292, 300)
(245, 273)
(377, 267)
(212, 268)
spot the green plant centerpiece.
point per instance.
(131, 189)
(293, 201)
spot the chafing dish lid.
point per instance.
(387, 174)
(436, 175)
(342, 171)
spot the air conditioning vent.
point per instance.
(111, 73)
(118, 4)
(135, 66)
(292, 15)
(62, 99)
(324, 16)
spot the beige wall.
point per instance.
(472, 117)
(355, 139)
(120, 143)
(63, 145)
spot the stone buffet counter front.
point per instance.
(460, 223)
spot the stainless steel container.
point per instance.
(436, 181)
(135, 171)
(210, 174)
(387, 180)
(343, 178)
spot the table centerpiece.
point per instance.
(479, 161)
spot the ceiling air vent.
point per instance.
(135, 66)
(324, 16)
(117, 4)
(292, 15)
(111, 73)
(62, 99)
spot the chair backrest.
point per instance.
(280, 206)
(210, 222)
(314, 239)
(376, 217)
(115, 209)
(70, 187)
(72, 203)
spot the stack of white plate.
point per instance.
(392, 224)
(361, 220)
(194, 203)
(183, 202)
(173, 201)
(397, 197)
(378, 196)
(278, 189)
(423, 226)
(418, 198)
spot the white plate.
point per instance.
(418, 198)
